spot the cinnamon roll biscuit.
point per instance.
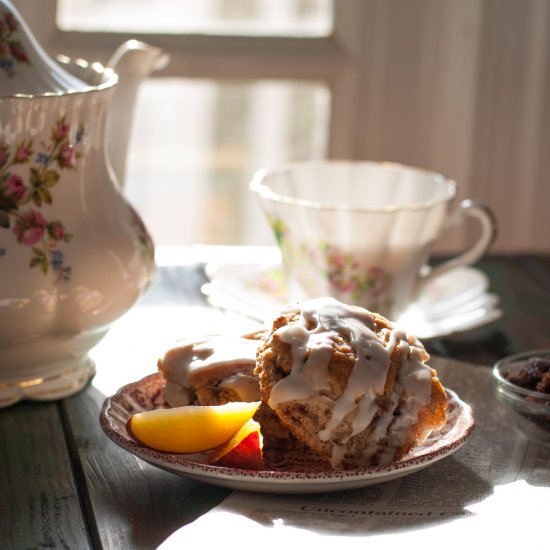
(349, 384)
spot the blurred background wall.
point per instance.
(457, 86)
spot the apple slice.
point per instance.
(190, 429)
(243, 450)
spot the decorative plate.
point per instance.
(291, 475)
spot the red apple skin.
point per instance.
(246, 455)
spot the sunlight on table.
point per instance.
(282, 522)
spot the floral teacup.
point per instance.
(362, 232)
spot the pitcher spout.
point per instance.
(132, 61)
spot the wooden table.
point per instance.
(63, 484)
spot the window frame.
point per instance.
(334, 60)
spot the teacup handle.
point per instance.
(467, 208)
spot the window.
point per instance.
(192, 155)
(197, 141)
(283, 17)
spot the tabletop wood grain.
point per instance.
(65, 485)
(40, 505)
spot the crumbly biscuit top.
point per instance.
(313, 330)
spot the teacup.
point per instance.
(363, 232)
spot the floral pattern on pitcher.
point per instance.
(340, 270)
(144, 240)
(22, 197)
(11, 49)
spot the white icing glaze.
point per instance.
(207, 355)
(194, 362)
(321, 323)
(244, 385)
(312, 348)
(176, 395)
(414, 381)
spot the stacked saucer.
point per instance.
(457, 301)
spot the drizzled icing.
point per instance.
(311, 350)
(321, 323)
(194, 363)
(244, 385)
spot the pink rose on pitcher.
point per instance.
(22, 153)
(15, 188)
(11, 21)
(18, 52)
(61, 130)
(56, 230)
(66, 156)
(30, 227)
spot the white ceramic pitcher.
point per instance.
(74, 255)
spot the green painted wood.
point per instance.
(39, 503)
(129, 503)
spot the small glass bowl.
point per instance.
(531, 409)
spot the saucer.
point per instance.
(456, 301)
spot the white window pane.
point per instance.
(196, 143)
(274, 17)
